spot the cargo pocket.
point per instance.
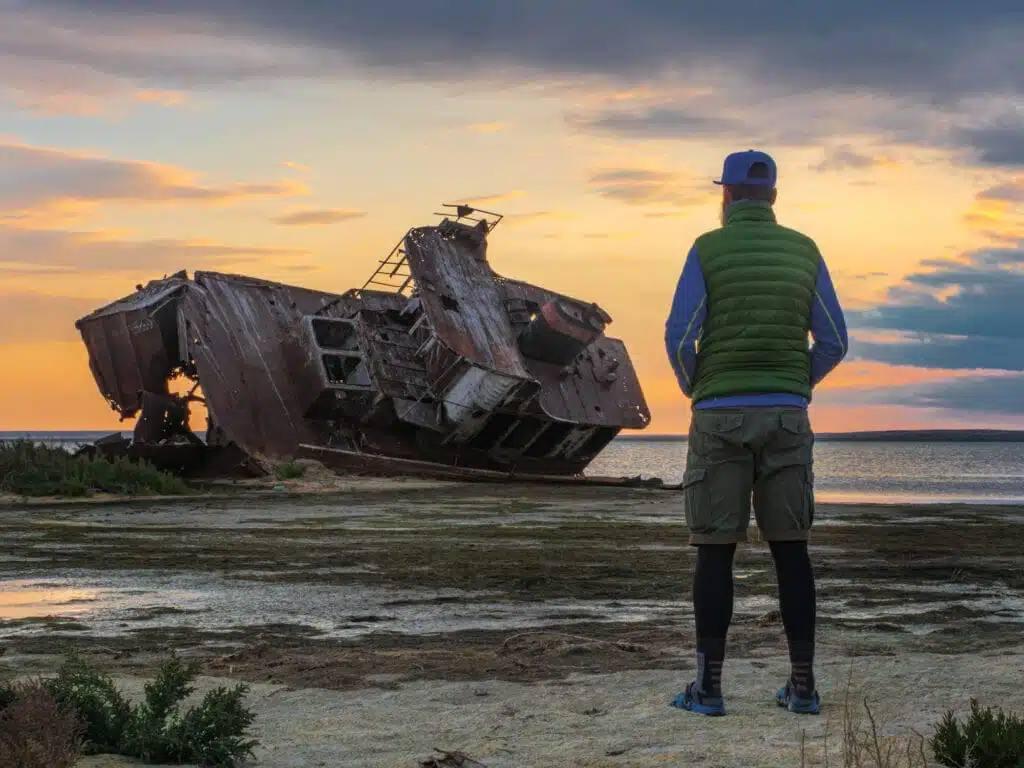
(696, 500)
(717, 434)
(794, 442)
(796, 423)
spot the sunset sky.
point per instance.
(298, 141)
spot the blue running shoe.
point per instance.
(787, 697)
(692, 700)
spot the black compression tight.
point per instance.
(713, 606)
(797, 603)
(712, 610)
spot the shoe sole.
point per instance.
(798, 710)
(698, 709)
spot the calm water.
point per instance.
(882, 472)
(896, 472)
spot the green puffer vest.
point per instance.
(760, 280)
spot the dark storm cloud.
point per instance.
(983, 394)
(957, 315)
(1000, 143)
(931, 351)
(786, 73)
(941, 49)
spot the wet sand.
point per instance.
(431, 614)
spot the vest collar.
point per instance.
(749, 210)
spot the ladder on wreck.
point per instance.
(393, 274)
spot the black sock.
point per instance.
(712, 610)
(798, 606)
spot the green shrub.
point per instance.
(289, 470)
(104, 712)
(30, 469)
(213, 733)
(35, 731)
(989, 738)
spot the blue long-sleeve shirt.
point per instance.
(690, 310)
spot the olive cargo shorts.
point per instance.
(736, 453)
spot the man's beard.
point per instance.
(721, 212)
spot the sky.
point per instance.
(298, 142)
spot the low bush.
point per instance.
(289, 470)
(103, 710)
(30, 469)
(212, 733)
(35, 731)
(989, 738)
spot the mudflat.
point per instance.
(523, 625)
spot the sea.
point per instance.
(845, 471)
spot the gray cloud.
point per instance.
(978, 322)
(984, 394)
(657, 123)
(999, 143)
(919, 63)
(845, 157)
(935, 351)
(1011, 192)
(938, 49)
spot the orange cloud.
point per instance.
(494, 197)
(66, 251)
(52, 181)
(318, 216)
(998, 212)
(162, 98)
(647, 186)
(491, 127)
(530, 217)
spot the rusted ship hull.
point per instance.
(436, 361)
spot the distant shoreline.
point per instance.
(878, 436)
(883, 436)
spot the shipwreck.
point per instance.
(436, 366)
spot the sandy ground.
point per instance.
(616, 719)
(524, 626)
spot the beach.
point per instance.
(522, 625)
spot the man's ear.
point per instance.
(726, 196)
(775, 194)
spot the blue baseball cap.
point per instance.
(750, 167)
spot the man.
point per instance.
(737, 336)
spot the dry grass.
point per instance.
(856, 741)
(35, 732)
